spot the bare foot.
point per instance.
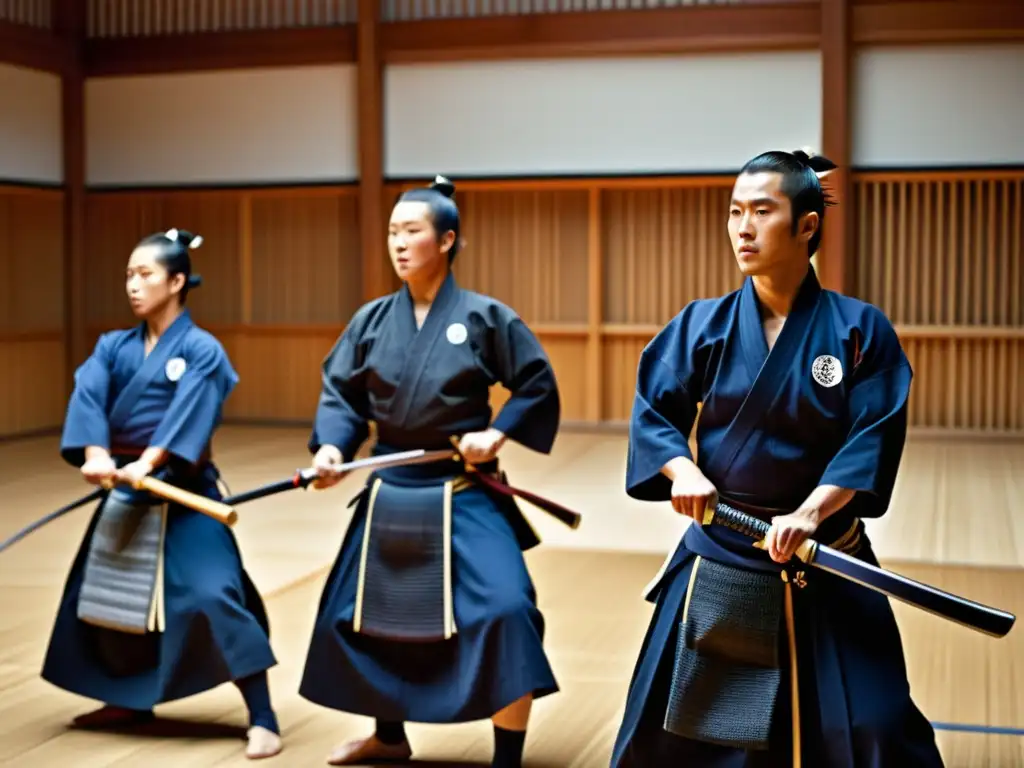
(112, 717)
(262, 743)
(370, 748)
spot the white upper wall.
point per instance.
(261, 126)
(699, 113)
(31, 145)
(913, 107)
(939, 106)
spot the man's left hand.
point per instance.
(790, 531)
(481, 447)
(131, 474)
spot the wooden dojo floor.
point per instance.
(955, 523)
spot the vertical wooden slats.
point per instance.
(122, 18)
(32, 361)
(595, 267)
(518, 242)
(954, 289)
(31, 13)
(132, 18)
(420, 10)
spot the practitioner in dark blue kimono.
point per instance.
(157, 605)
(429, 614)
(748, 660)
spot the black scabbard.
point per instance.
(562, 514)
(301, 479)
(973, 615)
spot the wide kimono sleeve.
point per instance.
(664, 407)
(870, 456)
(342, 413)
(85, 423)
(195, 410)
(533, 411)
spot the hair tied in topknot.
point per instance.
(444, 186)
(820, 164)
(174, 235)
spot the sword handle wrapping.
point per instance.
(741, 522)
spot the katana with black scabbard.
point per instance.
(976, 616)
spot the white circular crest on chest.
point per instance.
(457, 333)
(175, 368)
(827, 370)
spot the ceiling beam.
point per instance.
(242, 49)
(688, 29)
(752, 26)
(905, 22)
(775, 25)
(33, 48)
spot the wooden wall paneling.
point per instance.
(306, 281)
(215, 216)
(116, 221)
(281, 276)
(663, 247)
(32, 388)
(530, 249)
(594, 368)
(941, 254)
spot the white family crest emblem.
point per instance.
(827, 370)
(175, 368)
(457, 333)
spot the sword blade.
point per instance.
(403, 458)
(303, 477)
(973, 615)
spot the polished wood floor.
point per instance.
(955, 522)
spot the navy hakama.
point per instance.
(854, 703)
(825, 406)
(378, 371)
(499, 629)
(215, 627)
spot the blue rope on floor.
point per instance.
(989, 729)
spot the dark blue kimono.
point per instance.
(216, 625)
(827, 406)
(420, 388)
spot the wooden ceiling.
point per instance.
(746, 26)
